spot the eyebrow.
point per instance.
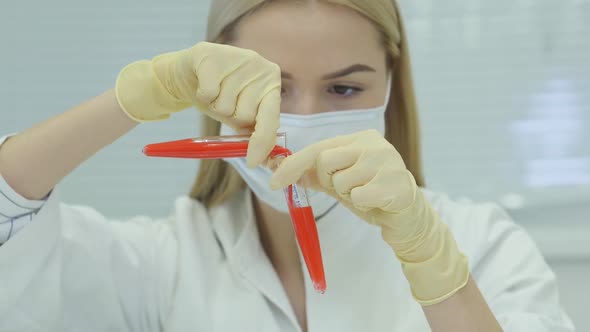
(340, 73)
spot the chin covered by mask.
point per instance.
(301, 131)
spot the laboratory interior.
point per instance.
(503, 92)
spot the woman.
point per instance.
(227, 260)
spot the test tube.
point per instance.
(306, 233)
(305, 229)
(236, 146)
(212, 147)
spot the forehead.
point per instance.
(317, 35)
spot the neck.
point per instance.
(277, 237)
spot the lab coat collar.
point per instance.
(234, 224)
(236, 229)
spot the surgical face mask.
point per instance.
(304, 130)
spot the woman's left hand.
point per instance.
(362, 170)
(368, 175)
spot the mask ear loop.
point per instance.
(317, 218)
(388, 91)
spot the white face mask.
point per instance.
(304, 130)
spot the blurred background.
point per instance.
(503, 88)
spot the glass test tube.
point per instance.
(213, 147)
(305, 229)
(236, 146)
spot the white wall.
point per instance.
(58, 54)
(503, 88)
(505, 102)
(573, 277)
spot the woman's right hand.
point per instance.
(235, 86)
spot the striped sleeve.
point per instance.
(15, 210)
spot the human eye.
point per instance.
(342, 90)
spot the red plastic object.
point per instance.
(307, 237)
(235, 147)
(204, 149)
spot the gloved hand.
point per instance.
(367, 174)
(232, 85)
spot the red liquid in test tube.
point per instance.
(299, 209)
(307, 236)
(203, 149)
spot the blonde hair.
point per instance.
(217, 180)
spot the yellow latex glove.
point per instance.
(367, 174)
(232, 85)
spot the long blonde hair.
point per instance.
(217, 180)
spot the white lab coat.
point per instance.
(70, 269)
